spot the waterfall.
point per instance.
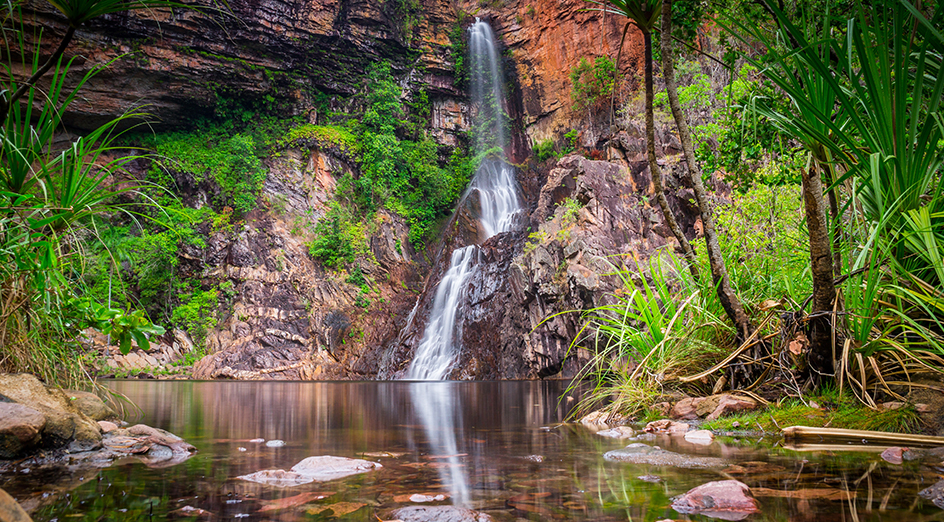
(494, 182)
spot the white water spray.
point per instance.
(494, 181)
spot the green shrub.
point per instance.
(197, 313)
(592, 82)
(545, 149)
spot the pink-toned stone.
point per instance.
(662, 408)
(894, 455)
(685, 409)
(666, 426)
(730, 404)
(724, 499)
(20, 427)
(107, 427)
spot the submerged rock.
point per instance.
(312, 469)
(934, 493)
(724, 499)
(639, 453)
(439, 514)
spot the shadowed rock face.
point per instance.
(562, 262)
(177, 62)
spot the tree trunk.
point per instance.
(654, 169)
(821, 265)
(719, 272)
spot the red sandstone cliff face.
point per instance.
(546, 39)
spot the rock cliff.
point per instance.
(290, 318)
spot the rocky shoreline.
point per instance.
(47, 427)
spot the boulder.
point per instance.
(20, 428)
(666, 426)
(730, 404)
(724, 499)
(10, 511)
(700, 437)
(619, 432)
(685, 409)
(65, 424)
(91, 405)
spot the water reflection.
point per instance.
(438, 408)
(476, 442)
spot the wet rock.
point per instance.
(20, 428)
(724, 499)
(313, 469)
(639, 453)
(439, 514)
(666, 426)
(419, 498)
(701, 437)
(107, 426)
(934, 493)
(275, 443)
(619, 432)
(652, 479)
(10, 511)
(278, 478)
(190, 511)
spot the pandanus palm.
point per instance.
(645, 14)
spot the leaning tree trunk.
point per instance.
(654, 169)
(821, 265)
(719, 272)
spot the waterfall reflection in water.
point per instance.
(498, 430)
(437, 406)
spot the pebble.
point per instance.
(275, 443)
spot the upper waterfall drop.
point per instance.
(494, 183)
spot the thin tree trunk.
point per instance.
(821, 266)
(719, 272)
(656, 172)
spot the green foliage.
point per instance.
(51, 191)
(695, 96)
(592, 82)
(336, 235)
(212, 153)
(404, 176)
(334, 137)
(458, 49)
(572, 136)
(197, 313)
(571, 211)
(545, 149)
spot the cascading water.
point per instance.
(494, 182)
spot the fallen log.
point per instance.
(806, 434)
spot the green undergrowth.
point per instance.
(399, 168)
(793, 412)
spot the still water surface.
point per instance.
(496, 447)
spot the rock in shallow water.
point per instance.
(655, 456)
(724, 499)
(439, 514)
(934, 493)
(312, 469)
